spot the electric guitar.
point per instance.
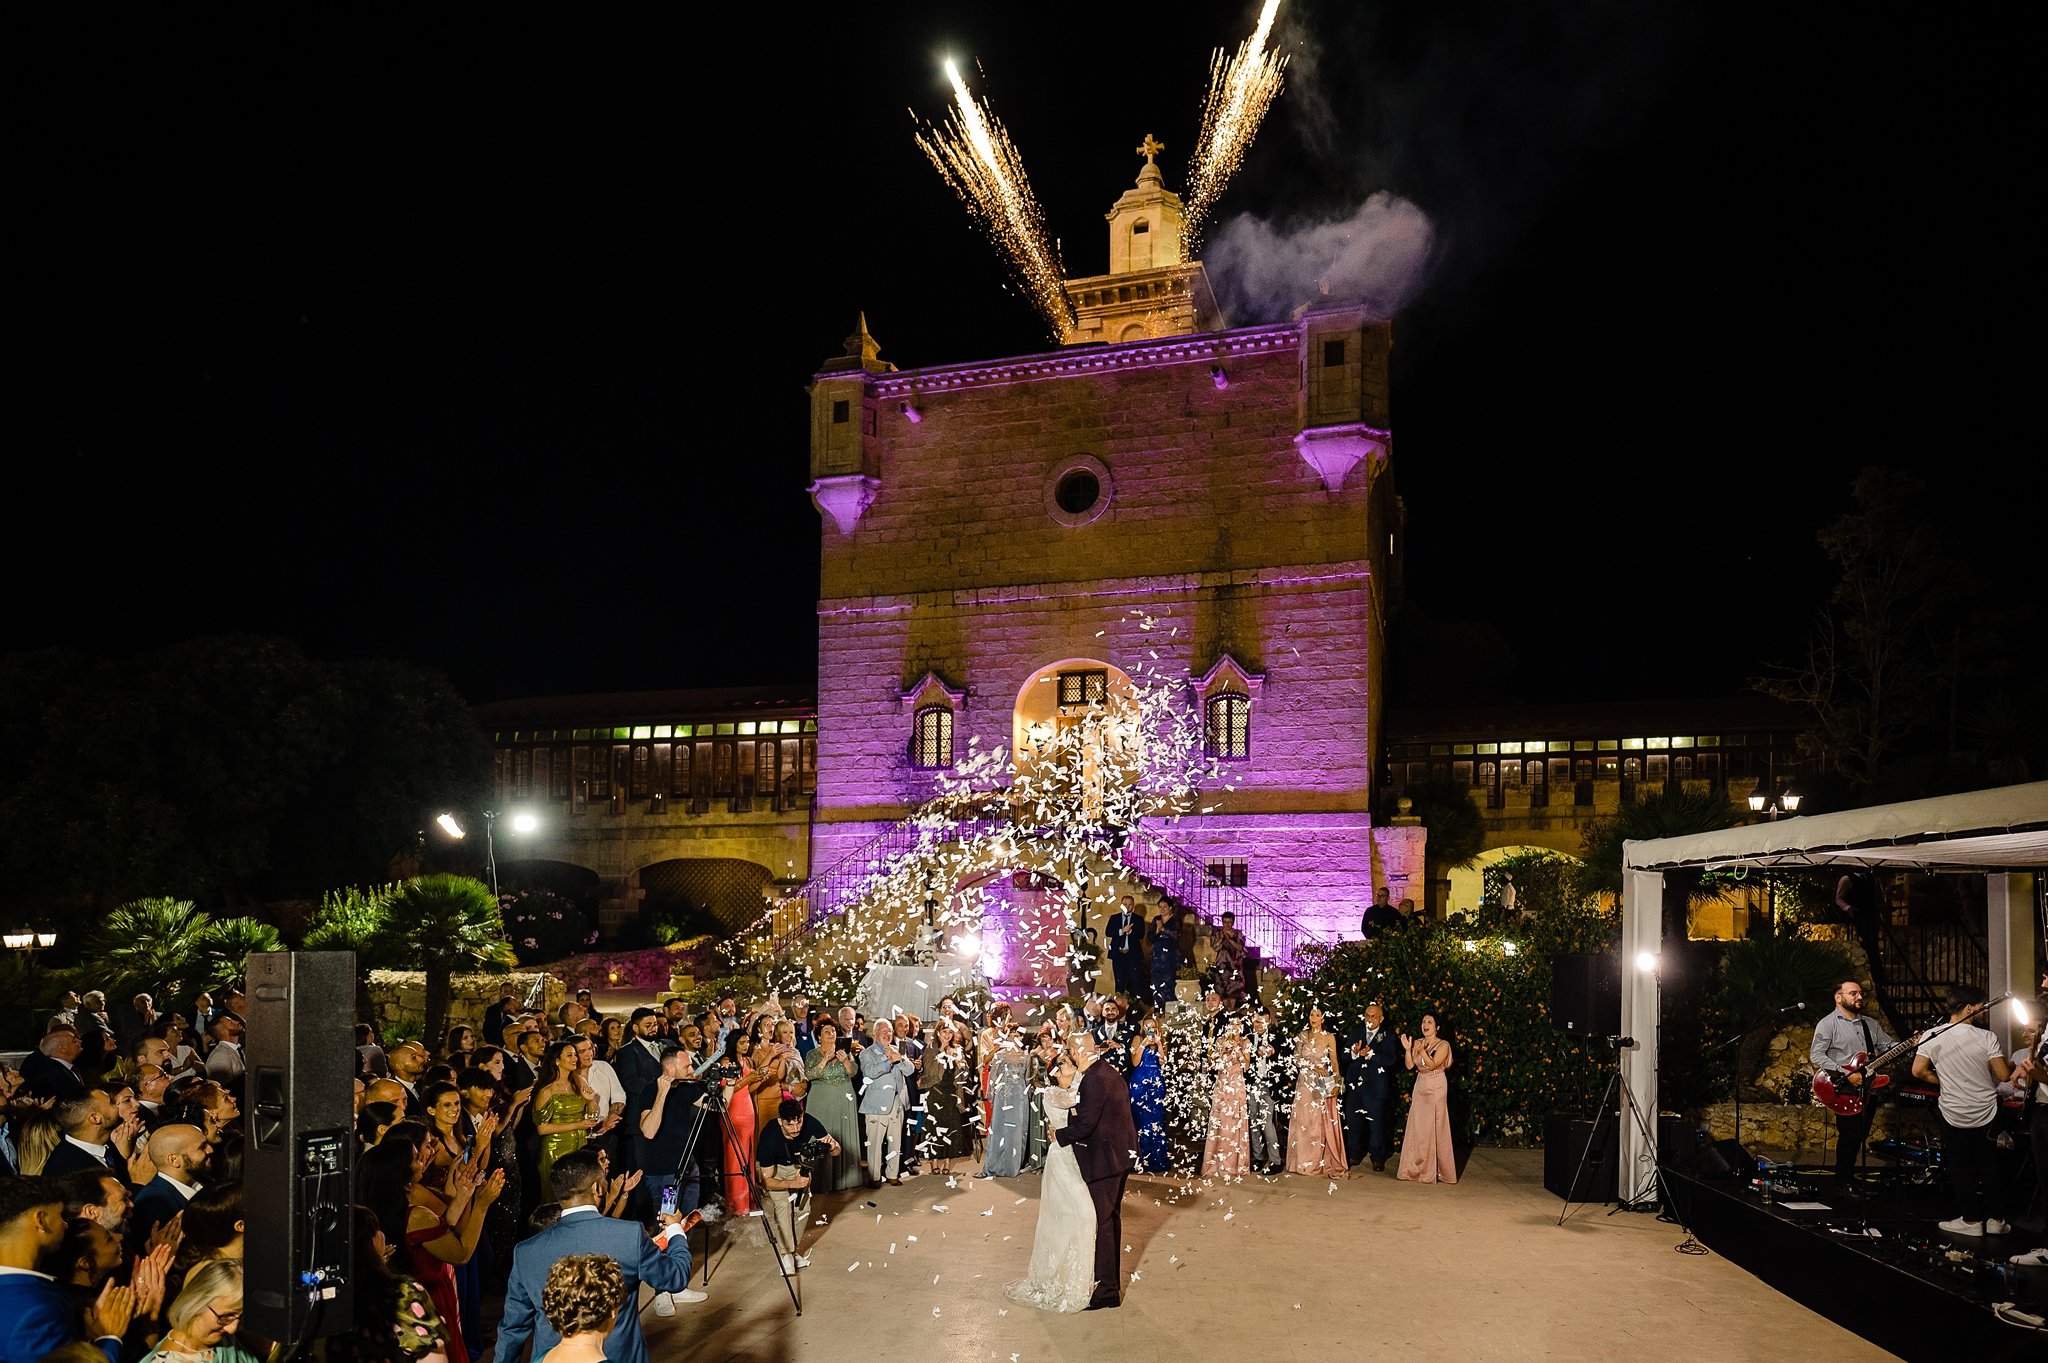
(1842, 1092)
(1846, 1092)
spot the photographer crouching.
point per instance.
(785, 1154)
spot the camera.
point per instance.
(807, 1155)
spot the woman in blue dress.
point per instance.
(1148, 1095)
(1010, 1102)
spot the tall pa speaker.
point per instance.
(299, 1154)
(1585, 993)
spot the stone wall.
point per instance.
(1804, 1133)
(399, 998)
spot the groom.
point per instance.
(1104, 1139)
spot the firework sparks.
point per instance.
(1241, 89)
(978, 161)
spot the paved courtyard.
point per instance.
(1286, 1268)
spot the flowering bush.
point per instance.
(543, 926)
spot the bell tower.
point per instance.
(1152, 289)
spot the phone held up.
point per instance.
(668, 1200)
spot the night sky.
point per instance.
(487, 349)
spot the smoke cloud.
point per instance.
(1381, 254)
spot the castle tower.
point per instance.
(1151, 289)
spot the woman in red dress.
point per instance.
(733, 1074)
(440, 1235)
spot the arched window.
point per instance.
(931, 742)
(1229, 734)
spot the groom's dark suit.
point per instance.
(1369, 1093)
(1104, 1138)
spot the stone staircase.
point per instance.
(884, 896)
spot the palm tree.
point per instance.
(448, 923)
(227, 944)
(148, 944)
(356, 920)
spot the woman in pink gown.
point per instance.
(1315, 1131)
(1426, 1154)
(1228, 1152)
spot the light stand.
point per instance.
(491, 850)
(715, 1099)
(1632, 1199)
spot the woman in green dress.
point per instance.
(563, 1108)
(830, 1099)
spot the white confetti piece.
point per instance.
(990, 1212)
(892, 1246)
(852, 1266)
(911, 1238)
(935, 1311)
(940, 1207)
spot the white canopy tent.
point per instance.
(2001, 834)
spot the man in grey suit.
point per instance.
(883, 1099)
(663, 1263)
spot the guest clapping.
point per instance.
(1426, 1152)
(1315, 1131)
(883, 1100)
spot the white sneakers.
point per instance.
(2033, 1258)
(1992, 1227)
(792, 1262)
(665, 1302)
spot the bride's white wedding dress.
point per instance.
(1063, 1251)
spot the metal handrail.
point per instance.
(1276, 934)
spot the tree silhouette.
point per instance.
(448, 923)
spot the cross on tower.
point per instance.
(1150, 148)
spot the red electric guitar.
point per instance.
(1845, 1092)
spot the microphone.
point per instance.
(1622, 1040)
(1801, 1006)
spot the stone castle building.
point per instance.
(998, 535)
(1005, 544)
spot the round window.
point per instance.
(1078, 491)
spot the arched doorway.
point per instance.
(1023, 917)
(1074, 725)
(703, 894)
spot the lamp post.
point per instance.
(523, 821)
(29, 941)
(1772, 803)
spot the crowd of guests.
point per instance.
(508, 1148)
(121, 1194)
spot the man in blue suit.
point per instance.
(1370, 1053)
(663, 1263)
(36, 1314)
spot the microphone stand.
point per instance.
(1736, 1042)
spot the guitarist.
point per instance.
(1839, 1039)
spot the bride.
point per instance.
(1063, 1250)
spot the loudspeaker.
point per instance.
(1727, 1160)
(1680, 1144)
(1585, 993)
(1566, 1139)
(298, 1161)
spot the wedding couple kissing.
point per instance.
(1074, 1256)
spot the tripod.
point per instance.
(1633, 1198)
(714, 1100)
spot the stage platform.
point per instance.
(1879, 1266)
